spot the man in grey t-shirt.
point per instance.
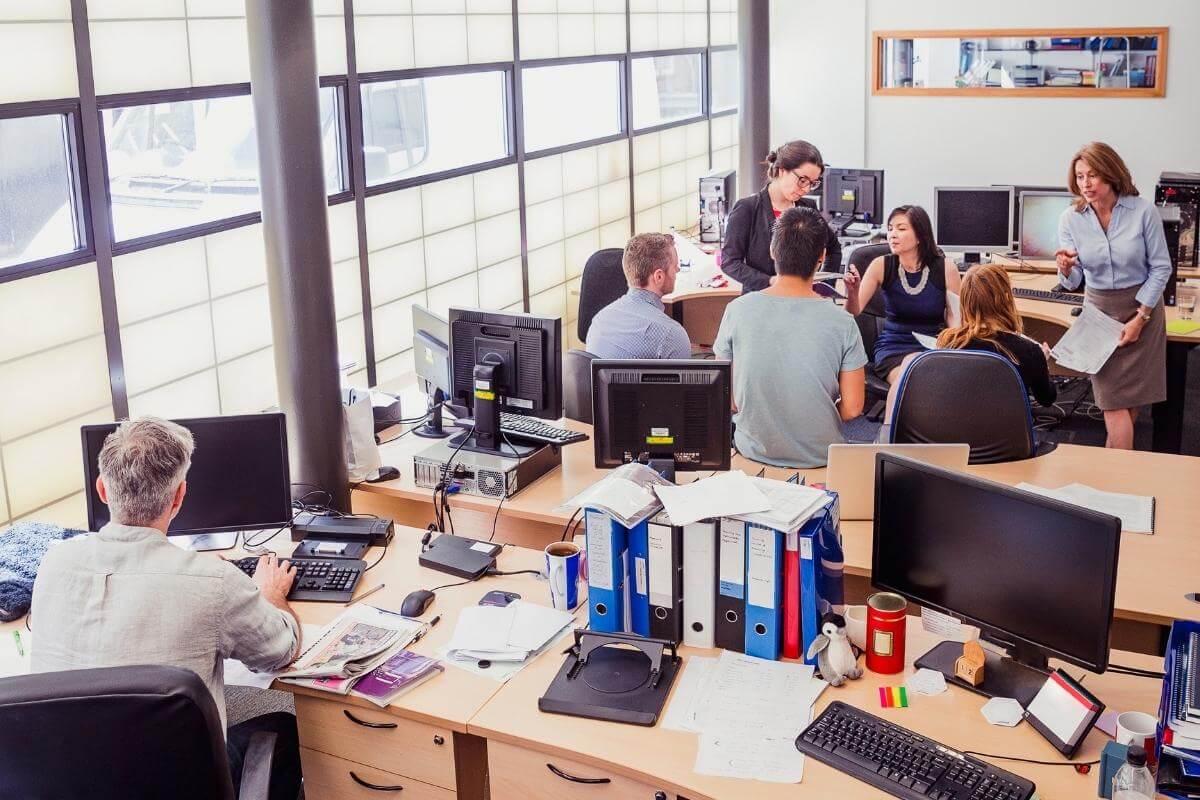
(797, 358)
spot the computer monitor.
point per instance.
(853, 194)
(1034, 573)
(1017, 189)
(239, 478)
(509, 362)
(431, 362)
(1040, 213)
(672, 415)
(973, 219)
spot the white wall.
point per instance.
(922, 142)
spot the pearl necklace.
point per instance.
(920, 287)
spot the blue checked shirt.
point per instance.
(1132, 253)
(636, 325)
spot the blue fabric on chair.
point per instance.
(21, 549)
(948, 396)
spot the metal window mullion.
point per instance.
(627, 109)
(515, 103)
(98, 207)
(358, 186)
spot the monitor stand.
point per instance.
(206, 541)
(1002, 676)
(484, 435)
(432, 427)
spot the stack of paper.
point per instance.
(1088, 343)
(748, 713)
(725, 495)
(1136, 512)
(505, 633)
(626, 494)
(791, 505)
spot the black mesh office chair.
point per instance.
(870, 325)
(971, 396)
(577, 385)
(134, 733)
(603, 281)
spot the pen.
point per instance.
(20, 647)
(427, 628)
(367, 593)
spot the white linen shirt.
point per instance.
(127, 596)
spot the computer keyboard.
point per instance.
(902, 763)
(330, 580)
(520, 426)
(1048, 295)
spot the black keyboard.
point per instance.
(902, 763)
(532, 428)
(1049, 296)
(330, 580)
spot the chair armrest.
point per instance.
(256, 768)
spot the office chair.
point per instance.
(577, 385)
(870, 325)
(133, 733)
(603, 281)
(971, 396)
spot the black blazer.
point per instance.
(746, 254)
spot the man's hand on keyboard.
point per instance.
(274, 579)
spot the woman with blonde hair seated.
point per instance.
(990, 322)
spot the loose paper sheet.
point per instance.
(723, 495)
(687, 699)
(1089, 342)
(1136, 512)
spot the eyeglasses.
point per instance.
(804, 183)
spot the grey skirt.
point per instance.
(1136, 374)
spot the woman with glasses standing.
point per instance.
(793, 170)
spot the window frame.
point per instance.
(623, 132)
(78, 188)
(705, 90)
(712, 114)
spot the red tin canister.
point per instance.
(885, 632)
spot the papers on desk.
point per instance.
(748, 713)
(725, 495)
(1089, 342)
(503, 636)
(626, 494)
(1136, 512)
(791, 504)
(358, 641)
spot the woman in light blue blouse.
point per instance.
(1114, 239)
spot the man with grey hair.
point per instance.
(636, 325)
(125, 595)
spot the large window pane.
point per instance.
(665, 89)
(37, 197)
(724, 80)
(176, 164)
(424, 125)
(571, 103)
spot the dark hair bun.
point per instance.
(771, 156)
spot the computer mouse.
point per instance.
(416, 603)
(384, 474)
(1076, 311)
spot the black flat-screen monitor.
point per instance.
(676, 412)
(975, 219)
(853, 192)
(1032, 572)
(528, 350)
(239, 478)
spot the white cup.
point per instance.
(1137, 727)
(856, 626)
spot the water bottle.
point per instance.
(1133, 781)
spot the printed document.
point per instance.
(723, 495)
(1136, 512)
(1089, 342)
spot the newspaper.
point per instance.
(626, 493)
(359, 640)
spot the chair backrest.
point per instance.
(965, 396)
(120, 732)
(870, 319)
(603, 281)
(577, 385)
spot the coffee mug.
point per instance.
(856, 626)
(1138, 727)
(562, 568)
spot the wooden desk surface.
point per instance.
(1047, 265)
(703, 267)
(660, 756)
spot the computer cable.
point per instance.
(375, 563)
(567, 527)
(1136, 672)
(504, 494)
(442, 488)
(1082, 767)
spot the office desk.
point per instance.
(699, 308)
(1048, 265)
(641, 761)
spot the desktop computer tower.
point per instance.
(1171, 217)
(718, 192)
(1182, 189)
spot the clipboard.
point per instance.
(1063, 712)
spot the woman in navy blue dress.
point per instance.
(914, 279)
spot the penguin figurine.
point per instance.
(835, 659)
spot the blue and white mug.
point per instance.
(562, 568)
